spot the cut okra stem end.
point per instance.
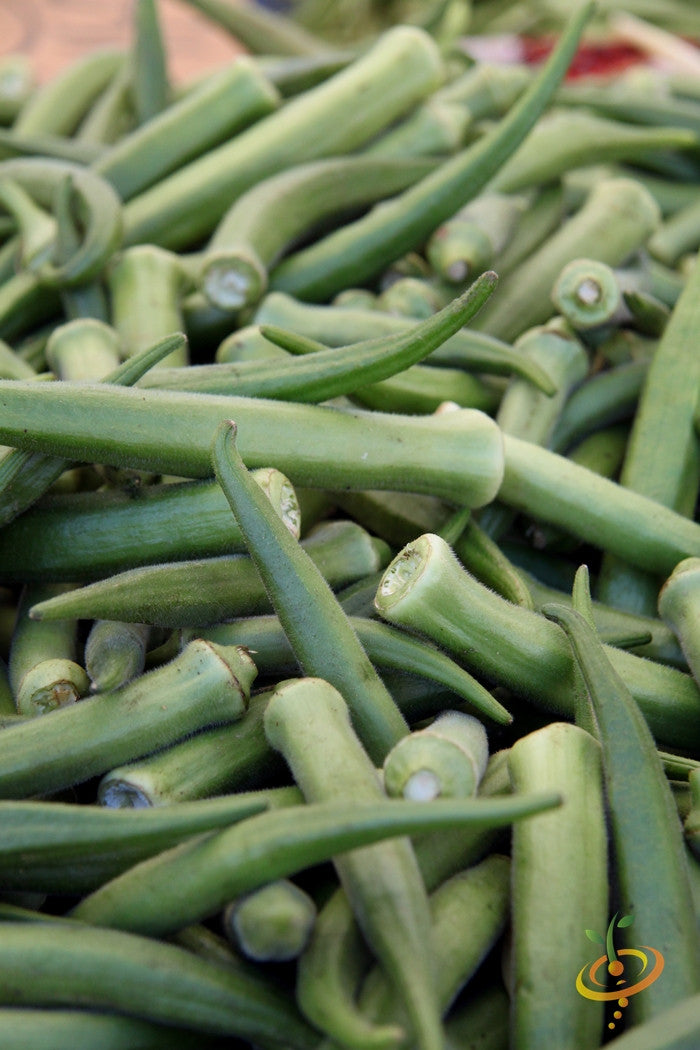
(231, 280)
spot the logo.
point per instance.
(629, 967)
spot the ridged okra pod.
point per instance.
(270, 216)
(61, 847)
(559, 889)
(336, 116)
(271, 924)
(191, 593)
(146, 286)
(66, 964)
(83, 349)
(222, 106)
(196, 879)
(447, 758)
(650, 864)
(309, 722)
(457, 456)
(81, 536)
(362, 249)
(115, 653)
(320, 633)
(517, 647)
(679, 607)
(206, 684)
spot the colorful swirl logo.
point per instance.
(619, 964)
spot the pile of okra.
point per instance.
(349, 561)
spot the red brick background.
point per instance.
(56, 32)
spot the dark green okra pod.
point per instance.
(27, 1029)
(115, 653)
(650, 866)
(206, 684)
(323, 639)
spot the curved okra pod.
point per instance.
(320, 633)
(678, 607)
(385, 646)
(58, 106)
(79, 536)
(194, 880)
(74, 849)
(339, 325)
(264, 221)
(337, 116)
(208, 590)
(309, 722)
(114, 653)
(568, 855)
(457, 456)
(37, 229)
(480, 555)
(43, 670)
(226, 758)
(331, 372)
(26, 475)
(220, 107)
(273, 923)
(362, 249)
(661, 459)
(516, 647)
(446, 759)
(87, 300)
(650, 864)
(614, 222)
(206, 684)
(142, 978)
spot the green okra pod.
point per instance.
(83, 349)
(516, 647)
(650, 866)
(69, 848)
(677, 1028)
(567, 859)
(220, 107)
(150, 88)
(337, 116)
(206, 684)
(36, 228)
(57, 107)
(57, 964)
(262, 31)
(678, 604)
(191, 593)
(26, 475)
(27, 1029)
(470, 241)
(607, 397)
(447, 758)
(435, 128)
(82, 536)
(362, 249)
(320, 633)
(115, 653)
(385, 646)
(458, 456)
(336, 325)
(273, 214)
(146, 285)
(272, 924)
(330, 372)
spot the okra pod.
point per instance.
(115, 653)
(204, 685)
(271, 924)
(447, 758)
(58, 106)
(27, 1029)
(150, 87)
(678, 601)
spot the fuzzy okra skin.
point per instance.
(320, 633)
(205, 684)
(519, 648)
(52, 964)
(650, 865)
(35, 1029)
(458, 456)
(196, 879)
(309, 722)
(567, 854)
(82, 536)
